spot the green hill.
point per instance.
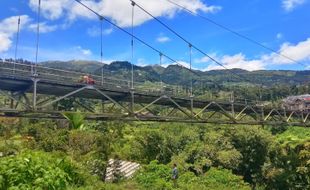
(175, 74)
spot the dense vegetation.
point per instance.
(61, 155)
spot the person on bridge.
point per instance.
(87, 79)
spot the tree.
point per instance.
(253, 143)
(289, 167)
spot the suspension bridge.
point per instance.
(35, 91)
(23, 89)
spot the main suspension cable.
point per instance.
(190, 66)
(160, 74)
(17, 40)
(189, 43)
(135, 37)
(146, 44)
(235, 32)
(132, 45)
(34, 70)
(101, 48)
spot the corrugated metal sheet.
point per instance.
(125, 168)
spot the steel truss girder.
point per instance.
(124, 117)
(173, 111)
(18, 100)
(189, 115)
(150, 104)
(63, 97)
(85, 107)
(223, 111)
(243, 110)
(147, 109)
(272, 111)
(176, 106)
(105, 117)
(111, 107)
(89, 87)
(45, 101)
(306, 118)
(273, 114)
(112, 100)
(203, 109)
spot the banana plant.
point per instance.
(77, 120)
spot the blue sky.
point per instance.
(70, 32)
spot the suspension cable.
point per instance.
(132, 45)
(190, 67)
(134, 36)
(34, 70)
(101, 48)
(235, 32)
(160, 75)
(187, 42)
(151, 47)
(17, 40)
(235, 75)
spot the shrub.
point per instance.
(38, 169)
(155, 176)
(223, 179)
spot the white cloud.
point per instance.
(65, 54)
(165, 65)
(107, 31)
(181, 63)
(289, 5)
(84, 52)
(96, 31)
(163, 39)
(9, 25)
(141, 62)
(8, 28)
(5, 42)
(237, 61)
(44, 28)
(93, 31)
(51, 9)
(55, 9)
(299, 52)
(206, 59)
(279, 36)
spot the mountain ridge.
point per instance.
(175, 74)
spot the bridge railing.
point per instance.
(25, 71)
(11, 70)
(48, 74)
